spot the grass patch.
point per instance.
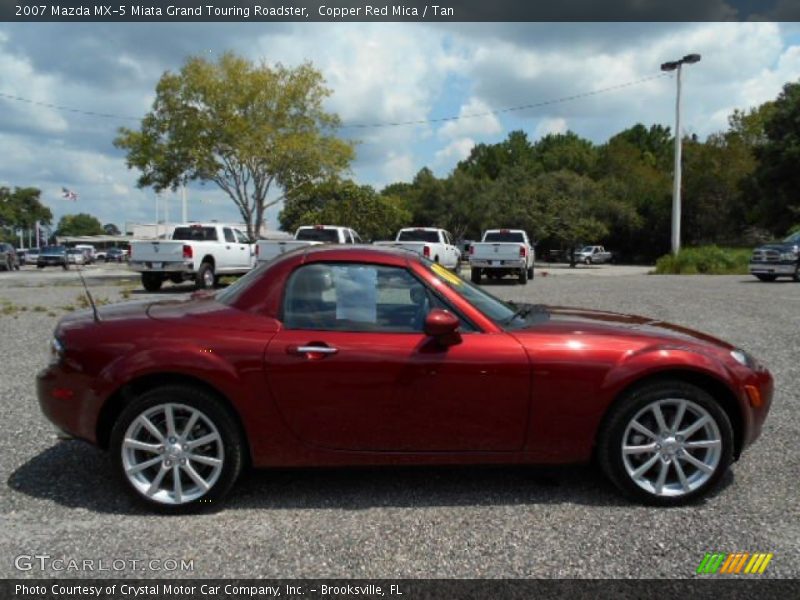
(705, 260)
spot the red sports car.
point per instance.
(365, 356)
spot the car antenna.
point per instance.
(89, 296)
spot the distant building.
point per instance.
(152, 231)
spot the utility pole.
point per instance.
(676, 184)
(184, 207)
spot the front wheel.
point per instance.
(177, 448)
(666, 443)
(523, 276)
(767, 277)
(530, 273)
(796, 275)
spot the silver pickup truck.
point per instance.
(593, 255)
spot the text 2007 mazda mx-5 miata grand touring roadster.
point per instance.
(358, 355)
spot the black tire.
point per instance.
(217, 413)
(65, 266)
(611, 437)
(40, 266)
(796, 275)
(530, 273)
(152, 281)
(176, 278)
(205, 279)
(523, 276)
(767, 277)
(475, 276)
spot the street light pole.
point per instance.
(676, 184)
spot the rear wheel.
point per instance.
(205, 277)
(666, 443)
(152, 281)
(523, 276)
(796, 275)
(588, 261)
(177, 448)
(475, 276)
(530, 273)
(767, 277)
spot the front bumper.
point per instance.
(773, 268)
(753, 416)
(67, 400)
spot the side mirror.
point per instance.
(443, 326)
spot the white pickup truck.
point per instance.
(502, 252)
(593, 255)
(432, 243)
(308, 235)
(198, 251)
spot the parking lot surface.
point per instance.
(60, 498)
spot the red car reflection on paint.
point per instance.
(364, 356)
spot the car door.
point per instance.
(244, 251)
(351, 368)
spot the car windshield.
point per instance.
(54, 250)
(587, 249)
(793, 239)
(317, 235)
(505, 314)
(504, 236)
(418, 235)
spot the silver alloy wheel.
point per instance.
(671, 447)
(208, 279)
(172, 453)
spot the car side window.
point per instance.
(240, 237)
(228, 233)
(356, 297)
(356, 238)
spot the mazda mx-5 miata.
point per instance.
(364, 356)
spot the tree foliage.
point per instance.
(250, 129)
(22, 207)
(79, 224)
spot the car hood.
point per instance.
(581, 321)
(779, 246)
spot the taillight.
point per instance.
(187, 251)
(426, 252)
(256, 250)
(522, 252)
(472, 249)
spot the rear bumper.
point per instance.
(498, 264)
(143, 266)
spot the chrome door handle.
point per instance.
(316, 349)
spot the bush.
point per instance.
(708, 260)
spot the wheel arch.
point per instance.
(208, 258)
(125, 394)
(708, 382)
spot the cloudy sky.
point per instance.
(380, 73)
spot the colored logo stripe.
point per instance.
(720, 562)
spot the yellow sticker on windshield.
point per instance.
(445, 274)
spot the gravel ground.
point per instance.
(61, 499)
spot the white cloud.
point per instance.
(475, 119)
(457, 150)
(547, 126)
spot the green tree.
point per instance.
(22, 207)
(111, 229)
(565, 151)
(247, 128)
(777, 176)
(80, 224)
(347, 204)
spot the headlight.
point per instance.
(56, 351)
(744, 359)
(788, 256)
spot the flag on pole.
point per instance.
(68, 194)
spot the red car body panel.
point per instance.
(533, 395)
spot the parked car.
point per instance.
(8, 257)
(196, 251)
(31, 256)
(116, 255)
(89, 253)
(777, 259)
(502, 252)
(52, 256)
(77, 256)
(593, 255)
(430, 242)
(353, 355)
(308, 235)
